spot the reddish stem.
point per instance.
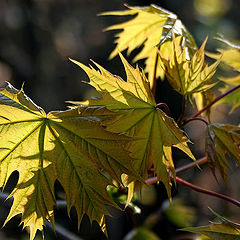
(215, 100)
(197, 189)
(166, 108)
(183, 111)
(191, 165)
(205, 191)
(186, 167)
(186, 121)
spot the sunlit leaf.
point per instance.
(67, 146)
(154, 132)
(202, 99)
(152, 26)
(230, 56)
(222, 230)
(179, 214)
(222, 139)
(232, 99)
(188, 76)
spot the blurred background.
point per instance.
(36, 39)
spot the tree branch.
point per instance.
(183, 111)
(186, 121)
(166, 108)
(191, 165)
(216, 100)
(197, 189)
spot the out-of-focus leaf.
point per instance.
(180, 214)
(229, 56)
(67, 146)
(141, 233)
(154, 132)
(223, 230)
(222, 139)
(150, 27)
(188, 76)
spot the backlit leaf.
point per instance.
(232, 99)
(222, 230)
(188, 76)
(67, 146)
(231, 57)
(154, 131)
(152, 26)
(222, 139)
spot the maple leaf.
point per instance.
(232, 99)
(230, 57)
(137, 116)
(68, 146)
(224, 229)
(152, 26)
(188, 76)
(202, 99)
(222, 139)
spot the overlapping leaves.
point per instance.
(151, 27)
(137, 116)
(66, 146)
(222, 139)
(187, 76)
(230, 57)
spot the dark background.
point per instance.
(38, 36)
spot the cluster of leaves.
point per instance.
(115, 139)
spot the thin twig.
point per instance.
(166, 108)
(205, 191)
(191, 165)
(215, 100)
(183, 111)
(185, 167)
(186, 121)
(196, 188)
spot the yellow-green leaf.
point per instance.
(222, 139)
(188, 76)
(150, 27)
(230, 56)
(69, 146)
(224, 229)
(154, 132)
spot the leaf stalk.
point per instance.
(215, 100)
